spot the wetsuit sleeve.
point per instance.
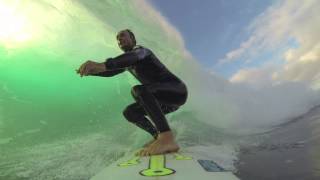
(109, 73)
(127, 59)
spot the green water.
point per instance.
(40, 91)
(52, 121)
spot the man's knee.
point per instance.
(138, 90)
(131, 114)
(127, 113)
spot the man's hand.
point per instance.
(91, 67)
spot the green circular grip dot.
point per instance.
(157, 172)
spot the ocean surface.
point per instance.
(288, 151)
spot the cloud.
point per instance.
(275, 29)
(255, 77)
(237, 53)
(302, 65)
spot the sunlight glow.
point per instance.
(13, 26)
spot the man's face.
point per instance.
(124, 41)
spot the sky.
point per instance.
(255, 42)
(211, 28)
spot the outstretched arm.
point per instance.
(96, 69)
(113, 66)
(109, 73)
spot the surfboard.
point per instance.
(173, 166)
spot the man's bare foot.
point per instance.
(164, 144)
(149, 143)
(146, 145)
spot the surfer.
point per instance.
(159, 93)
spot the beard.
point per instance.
(126, 48)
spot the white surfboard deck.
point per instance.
(173, 166)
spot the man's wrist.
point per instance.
(102, 66)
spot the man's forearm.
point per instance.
(109, 73)
(101, 67)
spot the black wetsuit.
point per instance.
(160, 92)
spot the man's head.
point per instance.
(126, 40)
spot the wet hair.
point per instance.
(130, 33)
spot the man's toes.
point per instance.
(141, 152)
(144, 152)
(152, 150)
(138, 152)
